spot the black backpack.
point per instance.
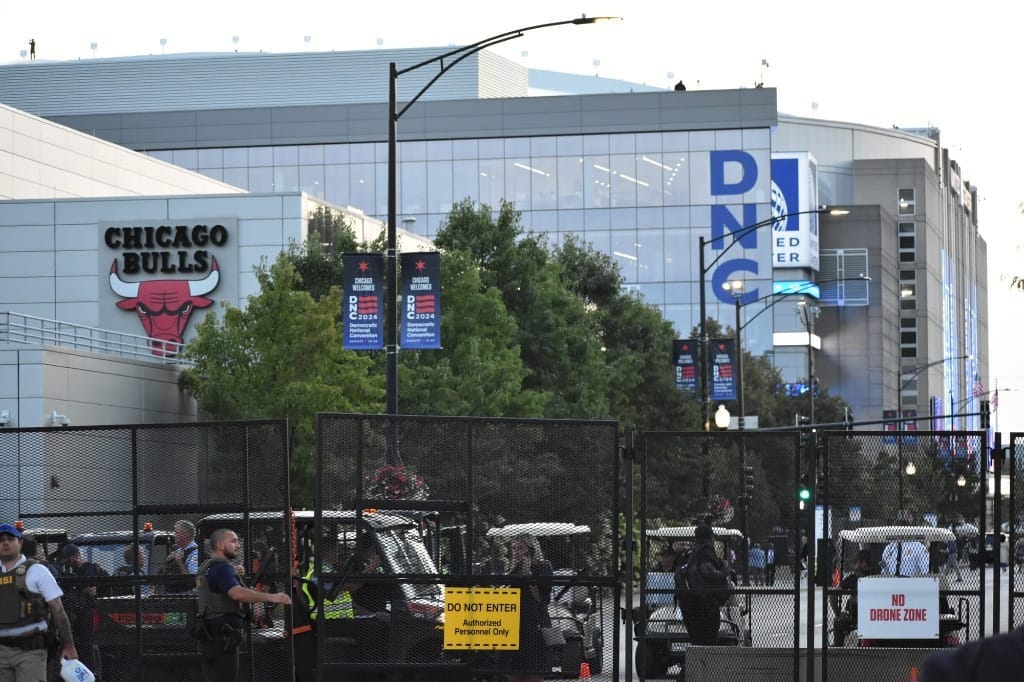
(688, 578)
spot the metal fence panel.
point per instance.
(113, 491)
(745, 484)
(410, 507)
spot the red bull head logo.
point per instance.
(164, 306)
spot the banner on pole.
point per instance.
(421, 300)
(363, 301)
(685, 353)
(723, 376)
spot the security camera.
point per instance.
(59, 419)
(5, 417)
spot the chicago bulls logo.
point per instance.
(164, 306)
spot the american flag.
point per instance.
(979, 388)
(995, 401)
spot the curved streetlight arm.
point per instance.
(960, 403)
(702, 296)
(807, 286)
(461, 53)
(738, 235)
(921, 369)
(390, 287)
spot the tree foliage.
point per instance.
(280, 357)
(558, 338)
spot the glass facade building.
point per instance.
(639, 197)
(642, 176)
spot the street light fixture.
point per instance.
(446, 62)
(809, 313)
(702, 292)
(909, 470)
(722, 417)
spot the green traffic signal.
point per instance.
(803, 493)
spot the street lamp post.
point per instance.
(809, 313)
(910, 468)
(736, 287)
(917, 371)
(704, 268)
(445, 61)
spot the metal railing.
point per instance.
(28, 329)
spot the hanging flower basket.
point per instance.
(395, 482)
(720, 510)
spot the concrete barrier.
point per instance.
(720, 663)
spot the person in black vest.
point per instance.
(29, 598)
(222, 608)
(698, 588)
(81, 600)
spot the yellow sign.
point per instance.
(481, 618)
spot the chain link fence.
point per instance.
(790, 513)
(455, 528)
(114, 511)
(454, 548)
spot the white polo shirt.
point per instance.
(38, 579)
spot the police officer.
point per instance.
(222, 607)
(28, 591)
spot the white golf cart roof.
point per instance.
(892, 533)
(346, 516)
(689, 532)
(537, 529)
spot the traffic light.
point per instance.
(748, 480)
(803, 493)
(985, 414)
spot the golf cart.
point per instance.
(879, 541)
(658, 623)
(577, 610)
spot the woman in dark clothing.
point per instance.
(533, 659)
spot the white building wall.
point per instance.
(88, 388)
(40, 159)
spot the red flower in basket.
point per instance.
(720, 509)
(395, 482)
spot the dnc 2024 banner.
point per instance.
(363, 301)
(722, 354)
(421, 301)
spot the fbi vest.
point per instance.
(214, 604)
(339, 607)
(19, 606)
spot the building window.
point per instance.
(908, 336)
(907, 240)
(906, 201)
(840, 273)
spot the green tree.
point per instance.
(637, 342)
(318, 261)
(559, 340)
(479, 371)
(280, 357)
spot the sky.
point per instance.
(952, 65)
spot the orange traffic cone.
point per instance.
(913, 675)
(584, 671)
